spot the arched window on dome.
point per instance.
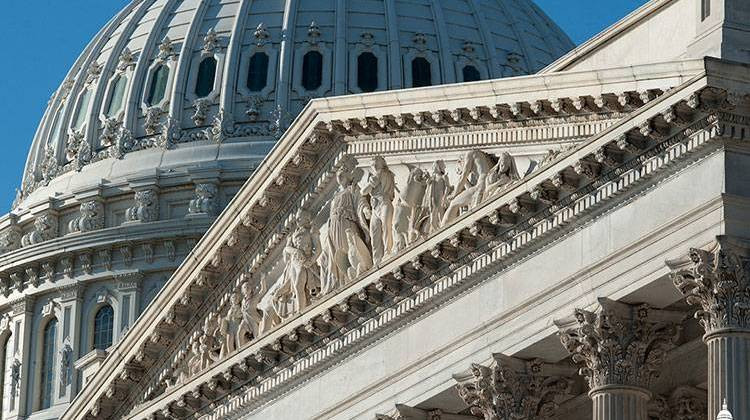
(82, 109)
(103, 327)
(421, 72)
(471, 74)
(47, 372)
(257, 74)
(158, 88)
(204, 84)
(312, 70)
(117, 95)
(367, 72)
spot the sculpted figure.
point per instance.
(436, 198)
(230, 326)
(248, 328)
(502, 174)
(381, 188)
(347, 211)
(405, 228)
(205, 199)
(482, 174)
(300, 255)
(275, 304)
(208, 346)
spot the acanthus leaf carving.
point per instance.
(623, 345)
(717, 282)
(45, 229)
(205, 200)
(514, 389)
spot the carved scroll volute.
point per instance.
(514, 388)
(717, 282)
(620, 345)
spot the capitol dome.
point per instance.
(168, 84)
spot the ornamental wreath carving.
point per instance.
(716, 280)
(621, 344)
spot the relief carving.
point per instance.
(381, 190)
(482, 176)
(146, 208)
(205, 201)
(45, 228)
(91, 218)
(345, 252)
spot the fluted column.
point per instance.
(515, 388)
(716, 280)
(620, 350)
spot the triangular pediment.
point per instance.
(367, 213)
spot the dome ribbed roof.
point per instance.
(134, 92)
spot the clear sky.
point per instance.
(42, 38)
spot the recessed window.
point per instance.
(312, 70)
(117, 95)
(83, 106)
(48, 363)
(421, 72)
(471, 74)
(5, 372)
(367, 72)
(257, 74)
(103, 325)
(206, 77)
(705, 9)
(158, 88)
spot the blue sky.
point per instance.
(46, 36)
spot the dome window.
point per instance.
(158, 88)
(204, 85)
(312, 70)
(48, 364)
(83, 107)
(6, 372)
(117, 96)
(367, 72)
(471, 74)
(257, 75)
(421, 72)
(103, 326)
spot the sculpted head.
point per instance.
(379, 163)
(438, 167)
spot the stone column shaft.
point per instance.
(729, 373)
(620, 403)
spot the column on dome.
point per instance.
(21, 321)
(68, 350)
(716, 280)
(620, 350)
(513, 388)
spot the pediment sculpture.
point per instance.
(369, 218)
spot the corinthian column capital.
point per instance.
(621, 345)
(514, 388)
(716, 281)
